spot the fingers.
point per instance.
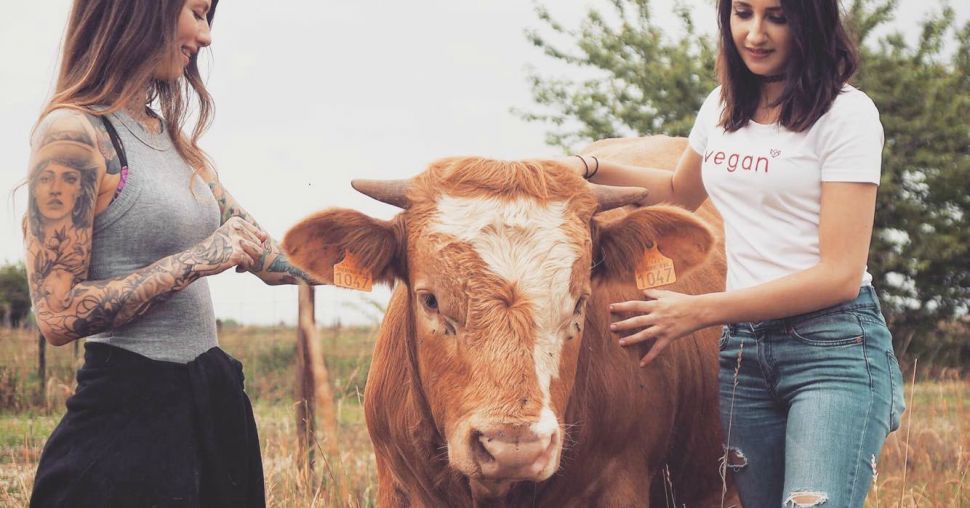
(251, 246)
(244, 262)
(248, 241)
(248, 229)
(631, 307)
(660, 318)
(260, 235)
(248, 255)
(641, 318)
(633, 323)
(650, 333)
(655, 350)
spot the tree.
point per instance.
(643, 82)
(921, 245)
(652, 85)
(14, 295)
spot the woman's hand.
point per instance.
(665, 317)
(578, 164)
(236, 243)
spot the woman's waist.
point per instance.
(867, 302)
(114, 376)
(169, 331)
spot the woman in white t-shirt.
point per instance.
(790, 155)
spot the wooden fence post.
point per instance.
(305, 421)
(314, 394)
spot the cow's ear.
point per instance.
(620, 241)
(321, 240)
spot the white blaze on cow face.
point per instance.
(525, 243)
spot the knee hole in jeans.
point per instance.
(806, 499)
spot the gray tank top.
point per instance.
(156, 215)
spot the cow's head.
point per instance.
(498, 259)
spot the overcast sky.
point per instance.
(312, 93)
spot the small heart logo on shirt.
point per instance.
(775, 153)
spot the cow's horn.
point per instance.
(610, 197)
(392, 192)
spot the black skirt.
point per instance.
(142, 432)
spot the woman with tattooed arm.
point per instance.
(126, 217)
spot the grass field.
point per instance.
(925, 463)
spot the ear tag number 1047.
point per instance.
(349, 274)
(655, 269)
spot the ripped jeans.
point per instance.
(807, 402)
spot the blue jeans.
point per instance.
(807, 402)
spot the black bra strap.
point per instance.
(115, 140)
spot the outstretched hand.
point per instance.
(664, 317)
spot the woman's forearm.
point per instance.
(682, 187)
(658, 182)
(271, 267)
(91, 307)
(815, 288)
(274, 268)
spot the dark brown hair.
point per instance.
(821, 61)
(112, 47)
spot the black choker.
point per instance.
(772, 79)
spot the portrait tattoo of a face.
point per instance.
(63, 184)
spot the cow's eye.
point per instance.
(429, 301)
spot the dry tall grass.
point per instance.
(925, 462)
(936, 453)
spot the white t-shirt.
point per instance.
(766, 181)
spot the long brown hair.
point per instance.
(822, 60)
(110, 51)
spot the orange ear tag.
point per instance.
(349, 274)
(655, 269)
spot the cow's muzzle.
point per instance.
(515, 451)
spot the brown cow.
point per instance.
(495, 380)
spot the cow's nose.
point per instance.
(517, 452)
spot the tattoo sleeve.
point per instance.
(272, 266)
(90, 307)
(228, 207)
(276, 269)
(67, 164)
